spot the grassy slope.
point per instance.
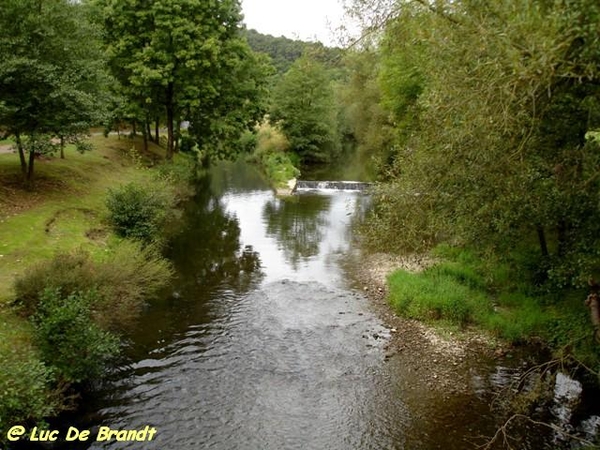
(64, 211)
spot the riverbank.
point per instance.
(530, 386)
(65, 214)
(438, 357)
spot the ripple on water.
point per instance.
(283, 370)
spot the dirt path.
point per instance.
(6, 149)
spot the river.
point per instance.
(264, 341)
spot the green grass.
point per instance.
(65, 210)
(466, 289)
(66, 207)
(440, 292)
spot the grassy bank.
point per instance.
(75, 275)
(464, 289)
(272, 155)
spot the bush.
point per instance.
(187, 144)
(27, 389)
(130, 275)
(139, 212)
(70, 272)
(67, 337)
(272, 155)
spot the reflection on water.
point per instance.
(298, 225)
(260, 344)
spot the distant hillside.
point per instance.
(284, 51)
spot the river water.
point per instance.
(264, 342)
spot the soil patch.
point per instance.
(97, 234)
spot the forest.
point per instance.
(479, 122)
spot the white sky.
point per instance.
(296, 19)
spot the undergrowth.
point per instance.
(272, 155)
(467, 289)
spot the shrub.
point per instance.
(139, 212)
(124, 280)
(178, 171)
(71, 272)
(26, 385)
(272, 155)
(130, 276)
(187, 144)
(68, 339)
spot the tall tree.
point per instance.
(505, 94)
(174, 53)
(51, 77)
(303, 106)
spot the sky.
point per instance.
(296, 19)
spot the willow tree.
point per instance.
(493, 134)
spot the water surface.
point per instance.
(263, 343)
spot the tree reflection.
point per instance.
(298, 225)
(212, 271)
(207, 253)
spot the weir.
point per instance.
(306, 185)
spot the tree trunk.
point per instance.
(156, 135)
(177, 134)
(21, 156)
(562, 237)
(30, 168)
(148, 132)
(593, 303)
(542, 238)
(62, 147)
(170, 122)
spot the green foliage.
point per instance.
(363, 115)
(129, 276)
(67, 337)
(284, 51)
(70, 272)
(272, 154)
(175, 175)
(27, 389)
(51, 71)
(185, 60)
(303, 108)
(187, 144)
(490, 140)
(137, 212)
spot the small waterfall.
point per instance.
(305, 185)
